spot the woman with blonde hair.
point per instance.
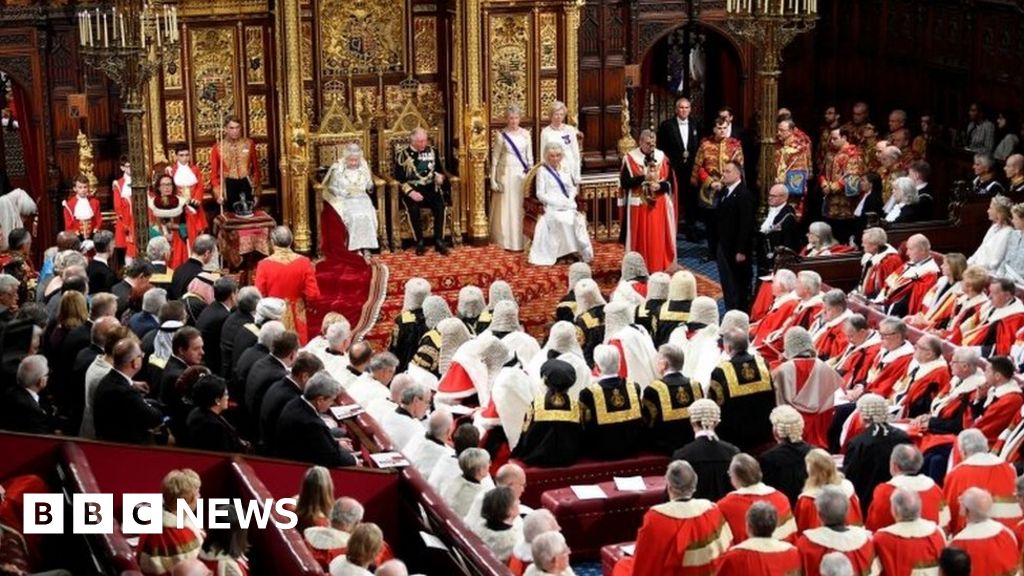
(564, 134)
(511, 160)
(992, 251)
(363, 547)
(1013, 266)
(316, 497)
(822, 471)
(158, 553)
(937, 306)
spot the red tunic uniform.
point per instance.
(991, 473)
(239, 160)
(84, 228)
(124, 226)
(652, 225)
(761, 557)
(679, 539)
(909, 548)
(291, 277)
(933, 503)
(735, 504)
(993, 548)
(854, 543)
(807, 514)
(875, 268)
(708, 165)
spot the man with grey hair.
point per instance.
(244, 313)
(762, 552)
(290, 277)
(646, 178)
(880, 260)
(666, 402)
(309, 438)
(946, 414)
(784, 300)
(101, 277)
(808, 384)
(611, 412)
(905, 465)
(158, 250)
(406, 421)
(511, 476)
(409, 324)
(903, 207)
(328, 542)
(419, 171)
(146, 319)
(268, 332)
(985, 182)
(550, 556)
(835, 535)
(809, 307)
(371, 386)
(927, 376)
(535, 523)
(425, 450)
(978, 467)
(460, 491)
(992, 545)
(202, 251)
(904, 290)
(742, 386)
(684, 526)
(20, 411)
(911, 541)
(893, 360)
(337, 357)
(827, 330)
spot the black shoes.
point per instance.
(420, 249)
(441, 248)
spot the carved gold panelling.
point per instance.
(261, 151)
(361, 35)
(207, 8)
(425, 44)
(333, 90)
(174, 120)
(367, 100)
(509, 39)
(172, 74)
(201, 156)
(428, 102)
(257, 115)
(548, 41)
(307, 51)
(548, 93)
(307, 102)
(255, 71)
(213, 57)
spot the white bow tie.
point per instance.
(684, 122)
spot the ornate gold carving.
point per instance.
(175, 121)
(257, 115)
(172, 74)
(298, 172)
(425, 44)
(86, 164)
(207, 8)
(333, 91)
(548, 92)
(427, 101)
(307, 102)
(201, 156)
(213, 60)
(509, 40)
(476, 129)
(361, 35)
(262, 151)
(548, 41)
(307, 51)
(255, 70)
(367, 101)
(472, 43)
(626, 142)
(294, 155)
(572, 63)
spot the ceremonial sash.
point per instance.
(519, 155)
(558, 179)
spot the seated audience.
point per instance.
(551, 556)
(565, 311)
(1013, 264)
(657, 295)
(821, 242)
(784, 301)
(985, 182)
(224, 548)
(590, 317)
(121, 413)
(836, 564)
(919, 173)
(904, 290)
(783, 466)
(978, 467)
(880, 260)
(707, 455)
(666, 402)
(20, 410)
(822, 474)
(372, 385)
(991, 253)
(309, 438)
(761, 553)
(406, 421)
(460, 491)
(206, 427)
(905, 464)
(910, 541)
(828, 332)
(808, 289)
(699, 339)
(425, 450)
(553, 434)
(997, 323)
(158, 553)
(107, 332)
(867, 458)
(327, 542)
(745, 475)
(742, 386)
(510, 476)
(498, 528)
(466, 436)
(364, 545)
(314, 501)
(265, 372)
(142, 322)
(636, 351)
(834, 534)
(991, 545)
(536, 523)
(611, 416)
(282, 392)
(904, 202)
(947, 297)
(675, 312)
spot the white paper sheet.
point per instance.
(346, 411)
(589, 492)
(628, 549)
(432, 541)
(389, 460)
(630, 484)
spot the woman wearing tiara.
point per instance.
(564, 134)
(347, 188)
(562, 229)
(511, 160)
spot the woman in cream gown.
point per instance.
(347, 188)
(561, 230)
(511, 159)
(564, 134)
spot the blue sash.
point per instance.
(516, 150)
(557, 179)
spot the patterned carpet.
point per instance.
(537, 289)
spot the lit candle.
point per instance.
(159, 41)
(124, 38)
(106, 41)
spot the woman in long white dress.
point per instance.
(511, 159)
(347, 188)
(561, 229)
(564, 134)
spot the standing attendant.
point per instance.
(510, 162)
(235, 167)
(679, 139)
(188, 181)
(564, 134)
(291, 277)
(82, 210)
(650, 220)
(735, 242)
(124, 226)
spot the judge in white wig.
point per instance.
(632, 285)
(505, 326)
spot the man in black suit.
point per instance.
(158, 250)
(81, 363)
(267, 371)
(309, 439)
(268, 332)
(709, 456)
(211, 320)
(919, 172)
(679, 139)
(281, 393)
(101, 277)
(120, 411)
(777, 230)
(139, 272)
(202, 253)
(186, 351)
(20, 410)
(735, 237)
(243, 314)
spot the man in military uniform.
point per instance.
(566, 309)
(792, 158)
(712, 156)
(742, 386)
(667, 402)
(416, 168)
(859, 120)
(409, 325)
(590, 318)
(553, 435)
(428, 350)
(840, 184)
(611, 414)
(235, 168)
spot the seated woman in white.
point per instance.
(347, 188)
(561, 230)
(991, 253)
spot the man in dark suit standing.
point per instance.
(101, 277)
(735, 238)
(20, 410)
(202, 253)
(186, 351)
(121, 413)
(137, 274)
(265, 372)
(679, 139)
(309, 439)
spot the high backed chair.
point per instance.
(393, 139)
(335, 133)
(533, 208)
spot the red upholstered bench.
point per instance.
(540, 480)
(588, 524)
(610, 556)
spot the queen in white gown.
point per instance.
(511, 159)
(561, 229)
(564, 134)
(347, 188)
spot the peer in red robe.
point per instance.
(158, 553)
(909, 548)
(803, 315)
(967, 315)
(933, 503)
(875, 268)
(735, 504)
(761, 557)
(648, 193)
(938, 305)
(905, 289)
(1000, 409)
(781, 309)
(997, 330)
(853, 542)
(679, 538)
(992, 546)
(291, 277)
(807, 515)
(829, 334)
(925, 381)
(82, 210)
(188, 181)
(809, 386)
(994, 475)
(124, 226)
(855, 362)
(890, 366)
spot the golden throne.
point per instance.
(337, 131)
(390, 141)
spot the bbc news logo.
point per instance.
(143, 513)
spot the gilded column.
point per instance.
(474, 133)
(572, 58)
(295, 199)
(155, 119)
(768, 73)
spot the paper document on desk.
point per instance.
(630, 484)
(589, 492)
(346, 411)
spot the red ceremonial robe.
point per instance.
(966, 317)
(195, 215)
(291, 277)
(85, 228)
(761, 557)
(875, 268)
(890, 367)
(829, 337)
(939, 303)
(993, 474)
(854, 543)
(856, 361)
(933, 504)
(993, 548)
(1001, 408)
(906, 288)
(763, 300)
(807, 514)
(681, 538)
(780, 311)
(998, 329)
(803, 315)
(809, 386)
(652, 226)
(158, 553)
(735, 504)
(952, 408)
(909, 548)
(923, 383)
(124, 226)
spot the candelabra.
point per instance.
(129, 40)
(769, 25)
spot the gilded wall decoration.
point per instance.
(307, 102)
(255, 69)
(257, 115)
(332, 90)
(307, 51)
(172, 74)
(548, 41)
(261, 151)
(174, 120)
(367, 100)
(201, 156)
(361, 35)
(548, 94)
(213, 57)
(425, 44)
(428, 102)
(509, 39)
